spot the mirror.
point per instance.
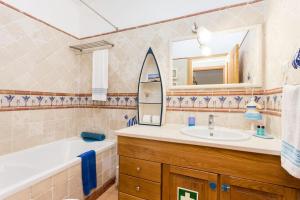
(231, 57)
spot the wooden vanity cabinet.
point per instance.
(204, 183)
(154, 170)
(139, 179)
(233, 188)
(210, 186)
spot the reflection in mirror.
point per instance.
(229, 57)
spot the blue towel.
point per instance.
(88, 168)
(92, 137)
(132, 122)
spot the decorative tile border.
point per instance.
(204, 101)
(14, 100)
(225, 100)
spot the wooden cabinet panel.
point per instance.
(139, 187)
(246, 165)
(253, 176)
(123, 196)
(175, 178)
(233, 188)
(140, 168)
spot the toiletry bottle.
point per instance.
(262, 130)
(191, 121)
(258, 130)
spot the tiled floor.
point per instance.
(110, 194)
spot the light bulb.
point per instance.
(204, 35)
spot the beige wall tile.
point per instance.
(74, 171)
(281, 43)
(5, 146)
(75, 187)
(60, 186)
(47, 195)
(35, 55)
(24, 195)
(62, 177)
(282, 40)
(41, 188)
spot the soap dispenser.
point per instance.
(191, 121)
(252, 112)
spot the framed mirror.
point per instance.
(229, 58)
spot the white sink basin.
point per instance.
(218, 133)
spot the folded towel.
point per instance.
(89, 174)
(100, 75)
(132, 122)
(92, 137)
(290, 151)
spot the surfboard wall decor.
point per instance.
(150, 92)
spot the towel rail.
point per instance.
(102, 44)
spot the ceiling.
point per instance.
(78, 20)
(220, 43)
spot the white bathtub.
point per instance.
(24, 168)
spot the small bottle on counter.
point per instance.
(258, 130)
(262, 130)
(191, 121)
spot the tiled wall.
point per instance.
(35, 57)
(281, 42)
(232, 100)
(26, 126)
(126, 57)
(21, 129)
(68, 183)
(24, 129)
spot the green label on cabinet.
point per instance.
(186, 194)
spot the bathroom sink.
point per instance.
(218, 133)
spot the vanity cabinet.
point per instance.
(209, 186)
(233, 188)
(139, 179)
(156, 170)
(203, 184)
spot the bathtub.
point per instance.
(21, 170)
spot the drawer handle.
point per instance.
(137, 188)
(212, 185)
(225, 187)
(138, 169)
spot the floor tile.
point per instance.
(110, 194)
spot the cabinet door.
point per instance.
(188, 184)
(123, 196)
(233, 188)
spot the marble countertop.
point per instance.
(171, 133)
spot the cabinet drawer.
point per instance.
(139, 187)
(123, 196)
(140, 168)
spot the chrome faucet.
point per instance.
(211, 124)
